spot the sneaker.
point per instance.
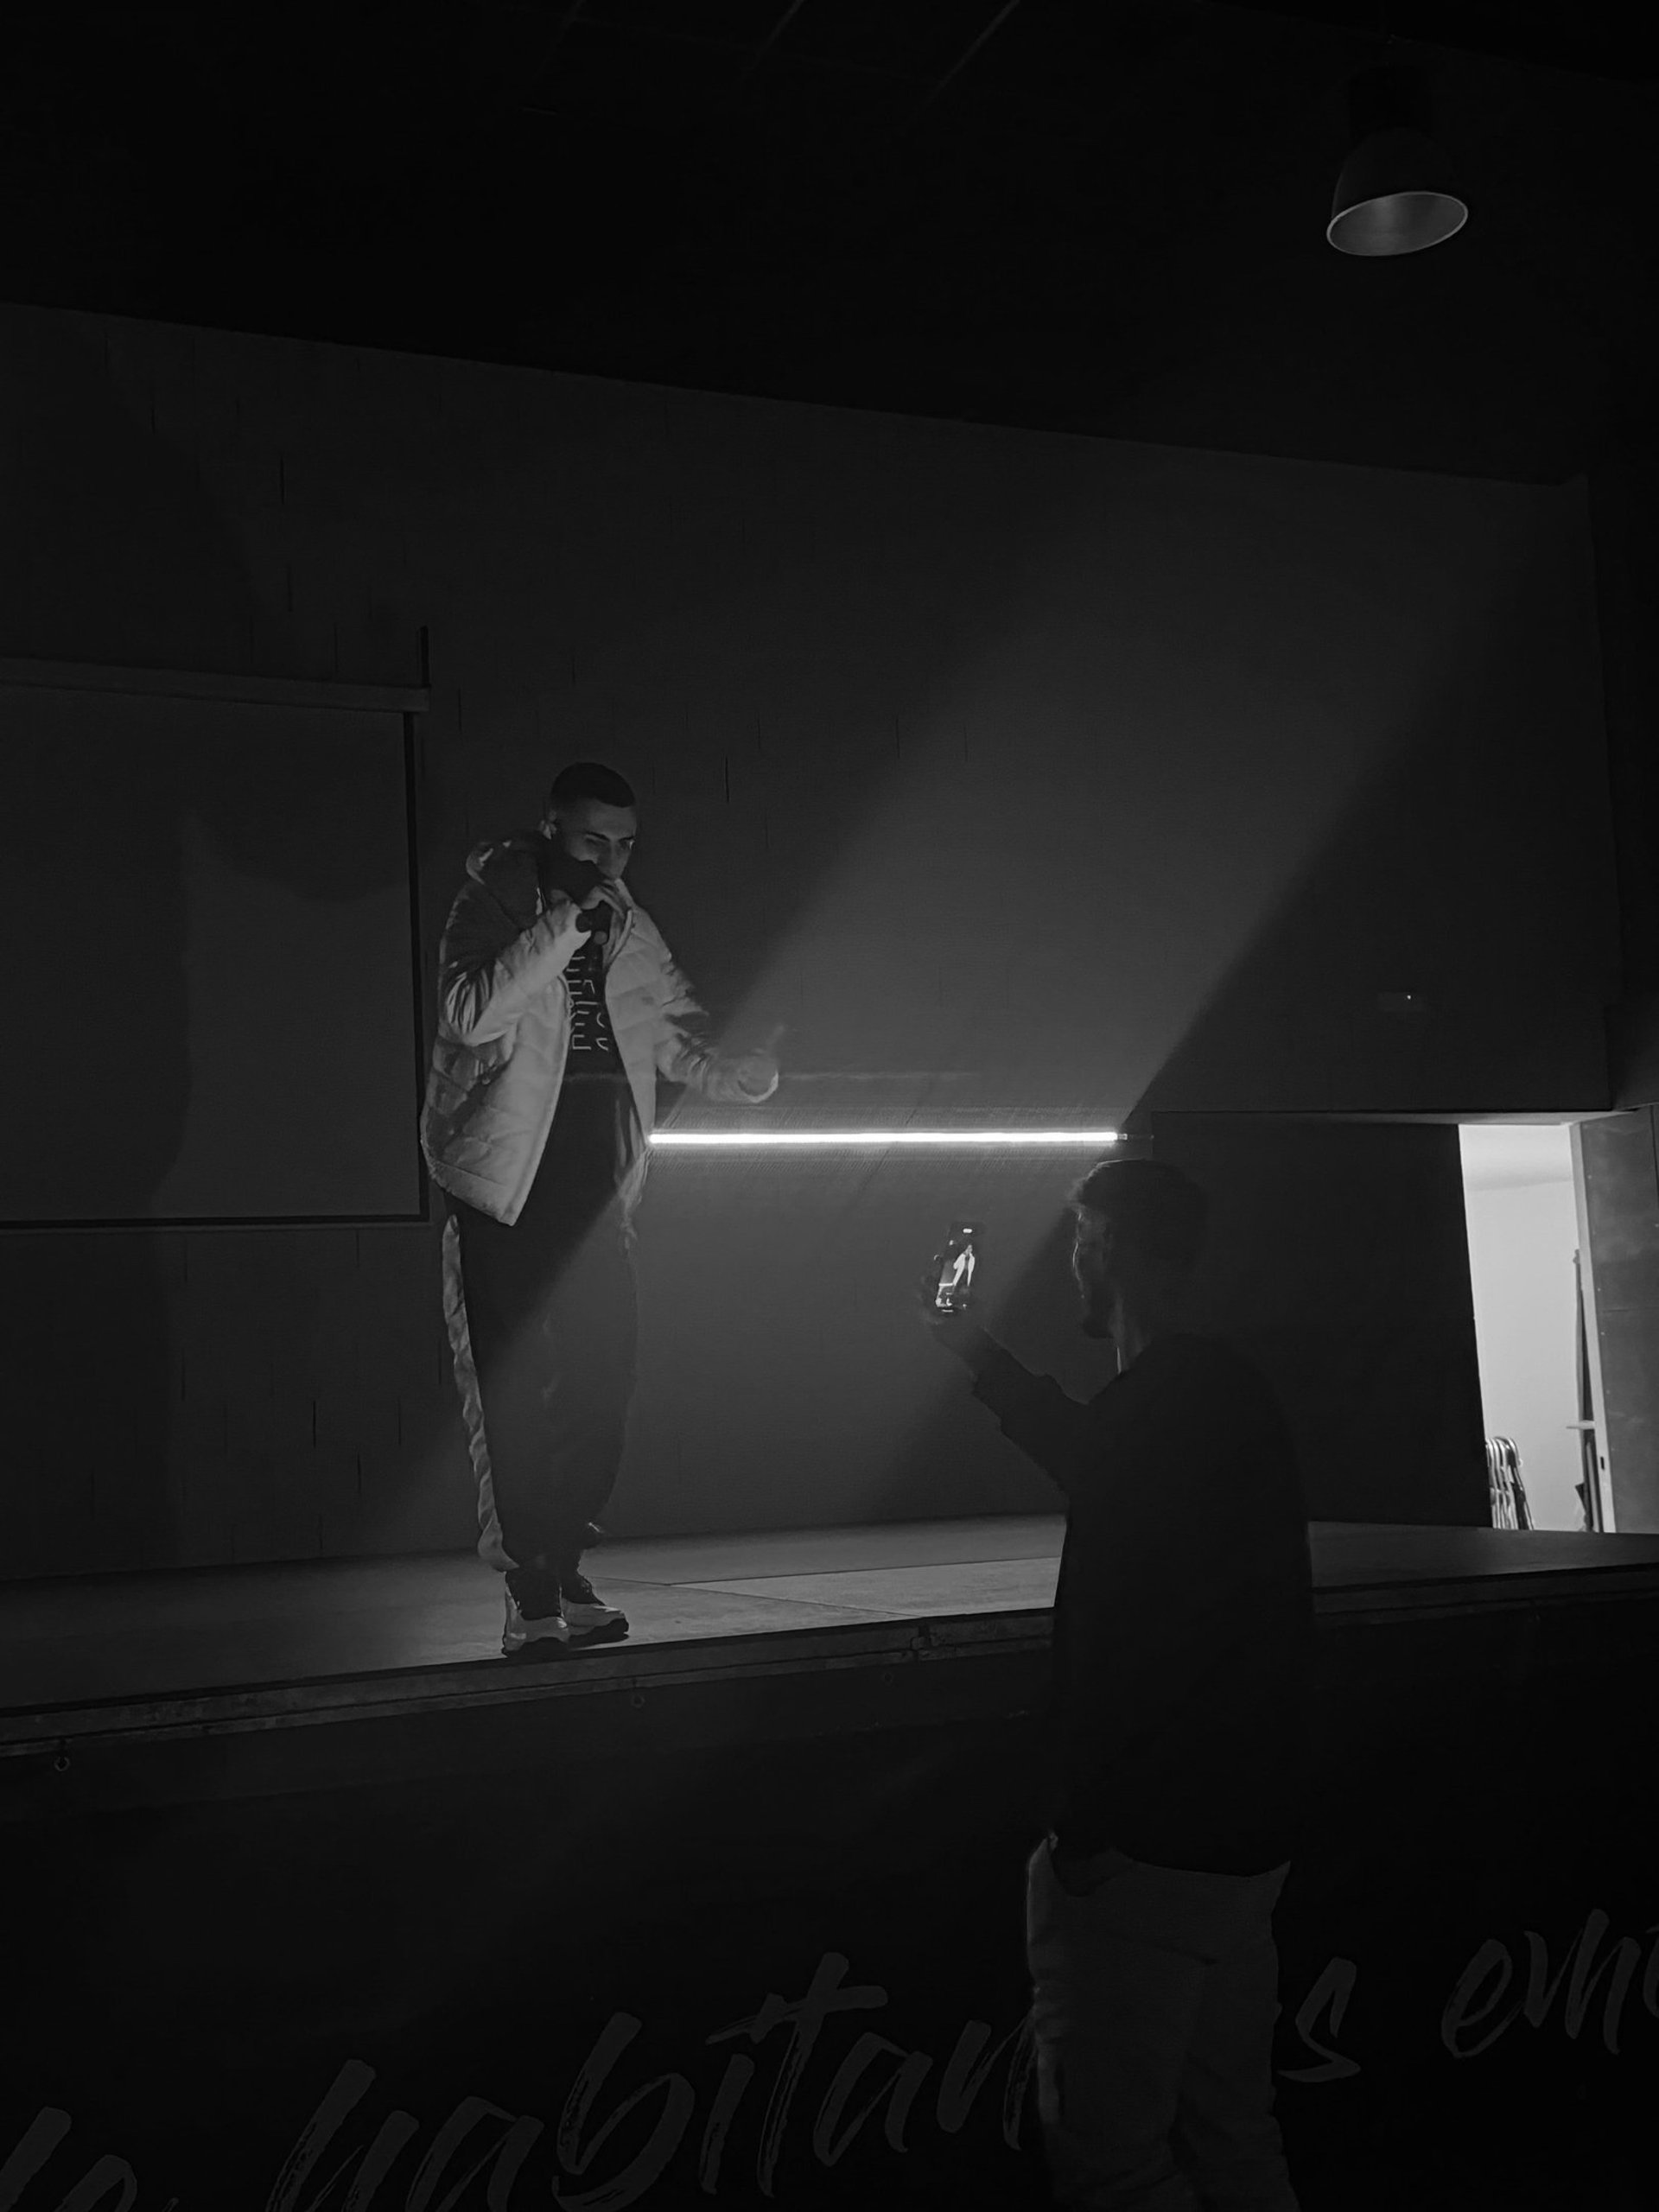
(585, 1614)
(535, 1614)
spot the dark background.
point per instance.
(1102, 217)
(459, 1903)
(1040, 778)
(1099, 220)
(202, 872)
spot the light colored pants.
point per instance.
(1155, 1994)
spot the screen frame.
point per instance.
(408, 701)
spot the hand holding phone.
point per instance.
(953, 1280)
(944, 1295)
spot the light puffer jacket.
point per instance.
(503, 1031)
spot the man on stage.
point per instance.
(558, 1008)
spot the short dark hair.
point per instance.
(588, 780)
(1159, 1213)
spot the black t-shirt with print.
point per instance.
(593, 1041)
(593, 1134)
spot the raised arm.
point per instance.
(1035, 1414)
(489, 968)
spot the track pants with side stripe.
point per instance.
(543, 1324)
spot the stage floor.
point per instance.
(304, 1632)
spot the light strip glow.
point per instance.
(871, 1139)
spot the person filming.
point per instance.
(1183, 1623)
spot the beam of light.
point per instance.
(871, 1139)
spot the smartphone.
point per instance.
(953, 1287)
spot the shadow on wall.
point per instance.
(1410, 967)
(116, 553)
(769, 683)
(112, 552)
(759, 618)
(1413, 965)
(1338, 1260)
(1339, 1255)
(1287, 923)
(1340, 1252)
(774, 634)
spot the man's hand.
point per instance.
(598, 905)
(957, 1332)
(756, 1072)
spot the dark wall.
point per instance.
(1621, 1200)
(1621, 1178)
(1624, 511)
(787, 1380)
(1016, 773)
(234, 879)
(1339, 1259)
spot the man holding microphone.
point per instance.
(559, 1007)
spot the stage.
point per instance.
(119, 1660)
(299, 1864)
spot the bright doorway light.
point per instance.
(1523, 1220)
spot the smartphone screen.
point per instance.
(953, 1293)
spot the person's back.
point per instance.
(1184, 1619)
(1182, 1643)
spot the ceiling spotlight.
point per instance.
(1395, 194)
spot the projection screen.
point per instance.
(208, 921)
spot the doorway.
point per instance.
(1522, 1206)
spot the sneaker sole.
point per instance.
(611, 1631)
(561, 1647)
(582, 1620)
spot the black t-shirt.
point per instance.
(1183, 1622)
(593, 1041)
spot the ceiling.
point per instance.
(1103, 216)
